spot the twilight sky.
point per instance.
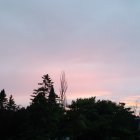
(96, 43)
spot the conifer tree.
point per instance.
(40, 95)
(45, 112)
(11, 106)
(3, 100)
(52, 98)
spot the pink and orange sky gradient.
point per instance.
(96, 43)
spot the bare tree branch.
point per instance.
(63, 89)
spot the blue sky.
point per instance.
(96, 43)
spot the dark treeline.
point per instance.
(47, 118)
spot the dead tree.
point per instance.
(63, 89)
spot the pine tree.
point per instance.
(11, 106)
(44, 112)
(3, 100)
(40, 95)
(52, 98)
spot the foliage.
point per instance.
(47, 119)
(101, 120)
(44, 113)
(3, 100)
(11, 106)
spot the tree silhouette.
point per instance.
(46, 118)
(52, 98)
(41, 94)
(3, 100)
(11, 106)
(99, 120)
(44, 112)
(63, 89)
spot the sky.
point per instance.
(96, 43)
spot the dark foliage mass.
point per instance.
(47, 119)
